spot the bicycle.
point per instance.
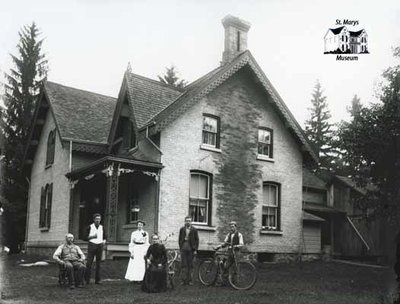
(242, 275)
(172, 264)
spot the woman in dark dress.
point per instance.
(155, 278)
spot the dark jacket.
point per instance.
(193, 238)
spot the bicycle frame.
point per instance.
(222, 261)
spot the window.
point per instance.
(45, 206)
(265, 142)
(132, 203)
(211, 131)
(200, 197)
(238, 41)
(51, 145)
(133, 213)
(128, 133)
(271, 206)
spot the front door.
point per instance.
(92, 201)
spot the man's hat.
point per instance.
(233, 223)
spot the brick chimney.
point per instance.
(235, 37)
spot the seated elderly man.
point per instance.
(71, 257)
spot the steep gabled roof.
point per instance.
(356, 34)
(80, 115)
(148, 97)
(203, 86)
(337, 30)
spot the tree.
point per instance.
(318, 129)
(171, 77)
(372, 144)
(339, 164)
(355, 107)
(21, 93)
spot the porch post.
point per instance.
(111, 215)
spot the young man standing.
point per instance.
(97, 239)
(234, 241)
(188, 245)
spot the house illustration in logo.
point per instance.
(342, 41)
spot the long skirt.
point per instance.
(137, 266)
(155, 279)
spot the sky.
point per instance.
(90, 42)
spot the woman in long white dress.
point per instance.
(138, 248)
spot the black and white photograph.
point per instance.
(204, 152)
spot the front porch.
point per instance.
(122, 190)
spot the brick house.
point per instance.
(224, 148)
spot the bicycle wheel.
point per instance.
(243, 275)
(208, 271)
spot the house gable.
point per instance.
(45, 174)
(242, 106)
(123, 133)
(82, 119)
(205, 85)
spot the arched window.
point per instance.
(51, 146)
(200, 197)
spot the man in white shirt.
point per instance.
(96, 241)
(71, 257)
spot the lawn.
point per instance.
(307, 282)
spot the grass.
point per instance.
(308, 282)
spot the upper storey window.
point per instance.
(51, 146)
(211, 131)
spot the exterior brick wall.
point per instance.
(236, 100)
(40, 176)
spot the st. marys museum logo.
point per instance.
(345, 43)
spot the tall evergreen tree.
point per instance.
(171, 77)
(341, 165)
(21, 92)
(318, 129)
(355, 108)
(372, 144)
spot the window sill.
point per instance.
(265, 158)
(271, 232)
(44, 229)
(205, 228)
(210, 148)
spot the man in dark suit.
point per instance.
(188, 245)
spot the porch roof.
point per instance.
(311, 217)
(321, 208)
(102, 163)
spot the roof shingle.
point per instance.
(81, 115)
(149, 97)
